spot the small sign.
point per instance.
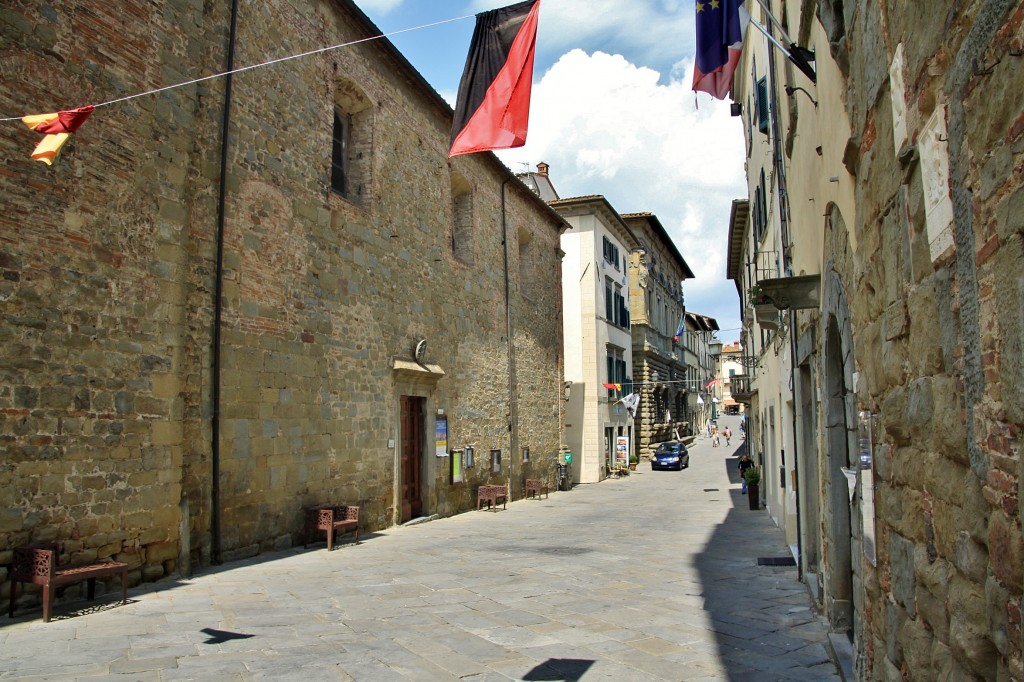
(457, 464)
(441, 436)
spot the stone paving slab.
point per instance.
(651, 577)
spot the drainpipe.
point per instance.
(787, 260)
(513, 403)
(215, 510)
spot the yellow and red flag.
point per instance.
(57, 128)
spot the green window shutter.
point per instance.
(762, 105)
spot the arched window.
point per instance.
(462, 218)
(352, 143)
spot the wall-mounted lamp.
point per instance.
(790, 89)
(736, 109)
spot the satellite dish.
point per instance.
(421, 351)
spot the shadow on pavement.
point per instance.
(559, 670)
(763, 625)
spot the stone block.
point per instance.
(997, 602)
(1006, 550)
(903, 574)
(916, 642)
(970, 557)
(968, 628)
(166, 433)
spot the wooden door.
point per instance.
(412, 456)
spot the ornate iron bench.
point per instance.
(38, 565)
(332, 520)
(535, 486)
(491, 494)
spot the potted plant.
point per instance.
(757, 297)
(765, 310)
(634, 459)
(753, 479)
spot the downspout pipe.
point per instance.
(513, 403)
(215, 508)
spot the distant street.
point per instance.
(649, 577)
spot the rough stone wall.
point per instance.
(107, 296)
(939, 342)
(96, 353)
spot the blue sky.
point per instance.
(612, 113)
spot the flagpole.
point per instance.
(771, 38)
(768, 11)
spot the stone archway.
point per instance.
(838, 541)
(841, 522)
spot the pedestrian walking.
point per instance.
(728, 435)
(745, 463)
(715, 441)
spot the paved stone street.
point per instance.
(650, 577)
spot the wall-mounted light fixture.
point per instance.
(790, 89)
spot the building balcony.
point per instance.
(647, 340)
(790, 293)
(740, 388)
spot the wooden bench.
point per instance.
(332, 520)
(535, 486)
(491, 494)
(38, 565)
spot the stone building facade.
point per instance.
(598, 350)
(879, 255)
(702, 349)
(658, 308)
(172, 404)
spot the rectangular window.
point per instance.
(610, 252)
(609, 301)
(762, 104)
(616, 311)
(615, 367)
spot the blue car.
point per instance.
(670, 455)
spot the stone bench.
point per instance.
(332, 520)
(535, 486)
(491, 494)
(39, 565)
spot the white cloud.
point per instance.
(656, 32)
(609, 127)
(382, 6)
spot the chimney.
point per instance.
(542, 169)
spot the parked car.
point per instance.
(670, 455)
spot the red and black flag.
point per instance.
(493, 107)
(57, 128)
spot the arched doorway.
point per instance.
(839, 536)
